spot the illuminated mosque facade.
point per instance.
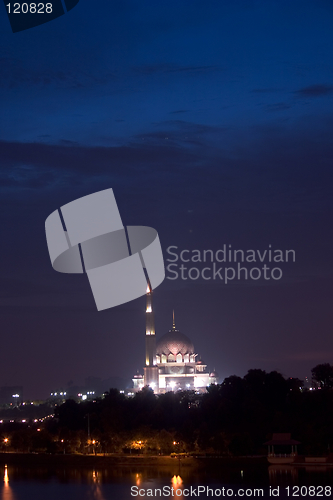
(171, 363)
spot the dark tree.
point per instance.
(323, 374)
(295, 384)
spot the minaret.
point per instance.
(150, 369)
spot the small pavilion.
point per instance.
(282, 444)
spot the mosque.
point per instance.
(171, 363)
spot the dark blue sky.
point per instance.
(212, 121)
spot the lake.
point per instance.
(211, 479)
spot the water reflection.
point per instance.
(176, 481)
(7, 493)
(6, 479)
(138, 479)
(104, 481)
(177, 484)
(149, 485)
(282, 474)
(96, 489)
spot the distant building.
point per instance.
(11, 395)
(172, 363)
(93, 388)
(58, 395)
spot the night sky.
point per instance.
(212, 122)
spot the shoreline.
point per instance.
(113, 461)
(44, 459)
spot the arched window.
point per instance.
(186, 358)
(171, 357)
(164, 358)
(158, 358)
(179, 358)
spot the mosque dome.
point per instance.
(174, 342)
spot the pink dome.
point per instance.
(174, 342)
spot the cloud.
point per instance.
(153, 69)
(260, 171)
(37, 165)
(265, 91)
(15, 73)
(181, 131)
(320, 356)
(179, 111)
(69, 143)
(278, 106)
(27, 176)
(315, 90)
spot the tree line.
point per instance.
(232, 418)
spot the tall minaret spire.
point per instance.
(150, 369)
(173, 320)
(150, 323)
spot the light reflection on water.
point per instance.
(21, 483)
(96, 487)
(7, 493)
(177, 484)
